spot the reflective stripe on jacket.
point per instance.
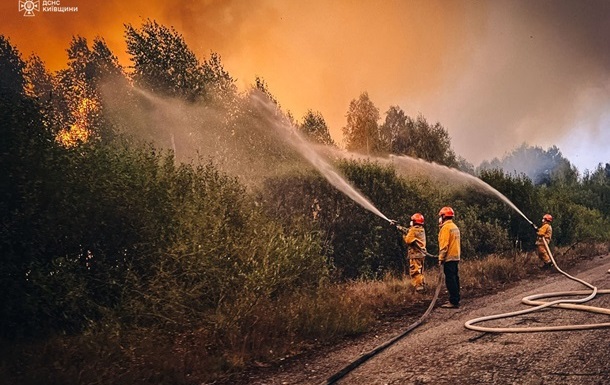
(449, 242)
(415, 239)
(545, 231)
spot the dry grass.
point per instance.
(275, 329)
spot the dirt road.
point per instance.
(443, 351)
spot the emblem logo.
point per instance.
(29, 6)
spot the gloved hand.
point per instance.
(393, 222)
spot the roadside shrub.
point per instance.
(480, 238)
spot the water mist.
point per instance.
(312, 156)
(409, 165)
(405, 161)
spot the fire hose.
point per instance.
(534, 300)
(366, 356)
(529, 300)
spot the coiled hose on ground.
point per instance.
(529, 300)
(533, 300)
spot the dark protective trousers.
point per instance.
(452, 281)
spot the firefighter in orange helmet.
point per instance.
(415, 238)
(449, 255)
(544, 233)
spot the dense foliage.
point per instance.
(120, 230)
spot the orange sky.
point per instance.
(495, 74)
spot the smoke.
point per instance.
(495, 74)
(541, 75)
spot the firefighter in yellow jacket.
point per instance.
(415, 238)
(544, 232)
(449, 255)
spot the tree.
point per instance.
(11, 67)
(38, 81)
(543, 167)
(465, 166)
(361, 133)
(77, 98)
(261, 86)
(430, 142)
(105, 65)
(26, 155)
(597, 186)
(394, 131)
(402, 135)
(219, 84)
(518, 189)
(162, 61)
(315, 128)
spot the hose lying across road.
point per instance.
(529, 300)
(364, 357)
(538, 305)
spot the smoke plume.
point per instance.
(495, 74)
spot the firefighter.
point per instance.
(449, 255)
(544, 232)
(415, 238)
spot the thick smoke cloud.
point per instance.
(541, 75)
(495, 74)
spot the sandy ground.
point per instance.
(443, 351)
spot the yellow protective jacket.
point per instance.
(449, 242)
(415, 239)
(545, 231)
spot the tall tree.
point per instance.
(394, 131)
(598, 183)
(361, 133)
(38, 80)
(11, 67)
(431, 142)
(105, 65)
(402, 135)
(78, 100)
(218, 82)
(261, 85)
(39, 87)
(315, 128)
(26, 157)
(162, 61)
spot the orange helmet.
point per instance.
(547, 217)
(446, 212)
(417, 219)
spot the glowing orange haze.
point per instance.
(495, 74)
(312, 54)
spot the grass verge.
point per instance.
(275, 329)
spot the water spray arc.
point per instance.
(309, 153)
(532, 300)
(313, 157)
(404, 160)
